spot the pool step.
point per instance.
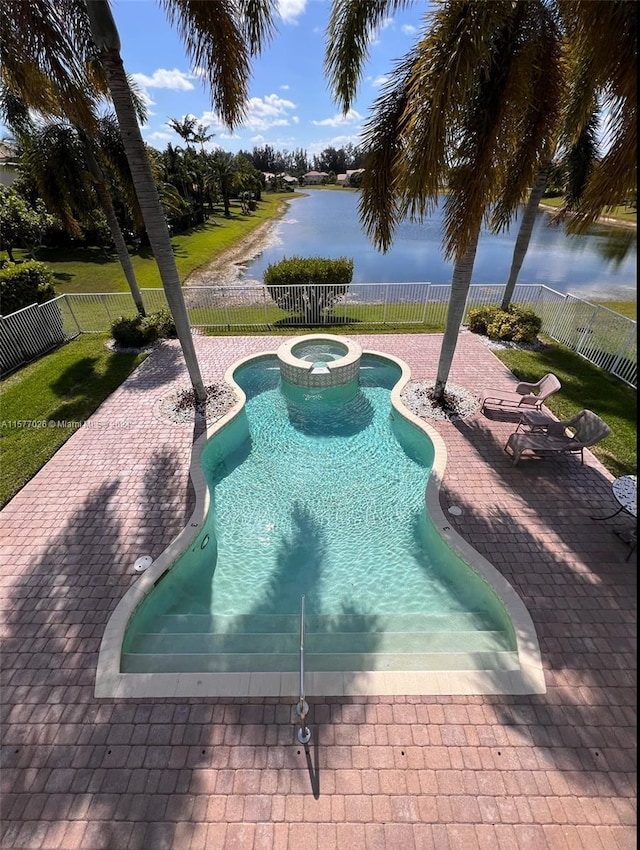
(254, 643)
(318, 643)
(335, 662)
(290, 623)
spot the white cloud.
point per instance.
(265, 112)
(163, 79)
(335, 142)
(230, 136)
(285, 88)
(295, 119)
(380, 81)
(290, 10)
(257, 140)
(262, 113)
(385, 23)
(339, 120)
(159, 136)
(409, 29)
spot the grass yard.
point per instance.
(66, 385)
(585, 386)
(625, 308)
(620, 212)
(88, 270)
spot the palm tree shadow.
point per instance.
(163, 366)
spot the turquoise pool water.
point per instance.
(319, 352)
(320, 493)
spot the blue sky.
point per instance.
(290, 105)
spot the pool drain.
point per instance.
(143, 563)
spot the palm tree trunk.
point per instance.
(105, 36)
(460, 282)
(106, 203)
(524, 233)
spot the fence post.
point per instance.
(588, 329)
(73, 315)
(623, 348)
(426, 302)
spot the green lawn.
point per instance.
(66, 385)
(625, 308)
(585, 386)
(89, 270)
(620, 212)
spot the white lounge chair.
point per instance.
(584, 430)
(524, 395)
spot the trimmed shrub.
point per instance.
(478, 319)
(513, 325)
(23, 284)
(140, 330)
(163, 323)
(309, 286)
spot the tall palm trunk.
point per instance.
(524, 233)
(105, 36)
(104, 197)
(460, 283)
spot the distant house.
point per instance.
(344, 179)
(315, 177)
(288, 179)
(8, 163)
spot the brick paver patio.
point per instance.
(556, 770)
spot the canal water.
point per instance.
(598, 265)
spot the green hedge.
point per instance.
(23, 284)
(309, 286)
(513, 325)
(140, 330)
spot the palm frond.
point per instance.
(383, 144)
(349, 33)
(214, 35)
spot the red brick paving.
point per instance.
(547, 771)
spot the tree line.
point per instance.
(68, 186)
(485, 100)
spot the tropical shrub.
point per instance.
(309, 286)
(513, 325)
(22, 284)
(140, 330)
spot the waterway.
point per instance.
(601, 264)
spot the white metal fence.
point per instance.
(603, 337)
(33, 330)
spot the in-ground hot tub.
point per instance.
(319, 360)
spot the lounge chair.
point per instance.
(525, 394)
(584, 430)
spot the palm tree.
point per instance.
(58, 37)
(525, 230)
(471, 106)
(602, 40)
(477, 104)
(64, 165)
(201, 136)
(184, 127)
(224, 177)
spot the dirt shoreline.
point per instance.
(612, 222)
(225, 270)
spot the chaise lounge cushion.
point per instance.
(524, 395)
(584, 430)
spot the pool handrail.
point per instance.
(302, 709)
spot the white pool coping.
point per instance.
(528, 679)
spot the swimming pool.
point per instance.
(319, 492)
